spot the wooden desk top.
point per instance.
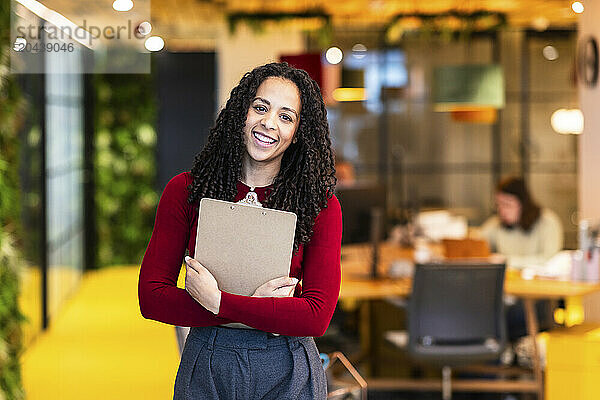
(356, 284)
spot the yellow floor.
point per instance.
(100, 347)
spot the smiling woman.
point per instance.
(270, 143)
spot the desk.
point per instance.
(357, 285)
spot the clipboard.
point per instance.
(244, 246)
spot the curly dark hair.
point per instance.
(306, 179)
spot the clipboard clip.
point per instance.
(251, 199)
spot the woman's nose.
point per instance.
(267, 121)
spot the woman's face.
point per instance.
(272, 121)
(509, 208)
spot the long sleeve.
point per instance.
(488, 231)
(159, 297)
(552, 234)
(550, 240)
(310, 313)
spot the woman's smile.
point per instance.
(263, 139)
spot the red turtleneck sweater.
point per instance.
(316, 264)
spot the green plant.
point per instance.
(256, 21)
(448, 24)
(125, 143)
(11, 335)
(10, 315)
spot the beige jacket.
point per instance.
(525, 248)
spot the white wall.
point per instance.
(244, 50)
(589, 145)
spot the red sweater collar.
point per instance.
(241, 186)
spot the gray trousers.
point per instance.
(229, 364)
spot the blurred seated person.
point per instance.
(522, 231)
(525, 234)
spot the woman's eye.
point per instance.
(286, 117)
(260, 108)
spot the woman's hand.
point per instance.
(278, 287)
(202, 285)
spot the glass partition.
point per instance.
(64, 175)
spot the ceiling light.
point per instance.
(567, 122)
(468, 87)
(154, 43)
(334, 55)
(349, 94)
(550, 53)
(540, 23)
(122, 5)
(377, 4)
(577, 7)
(359, 50)
(144, 28)
(481, 116)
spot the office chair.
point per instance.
(456, 316)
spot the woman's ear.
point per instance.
(295, 139)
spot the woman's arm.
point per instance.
(159, 297)
(489, 230)
(551, 232)
(309, 314)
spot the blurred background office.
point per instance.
(429, 105)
